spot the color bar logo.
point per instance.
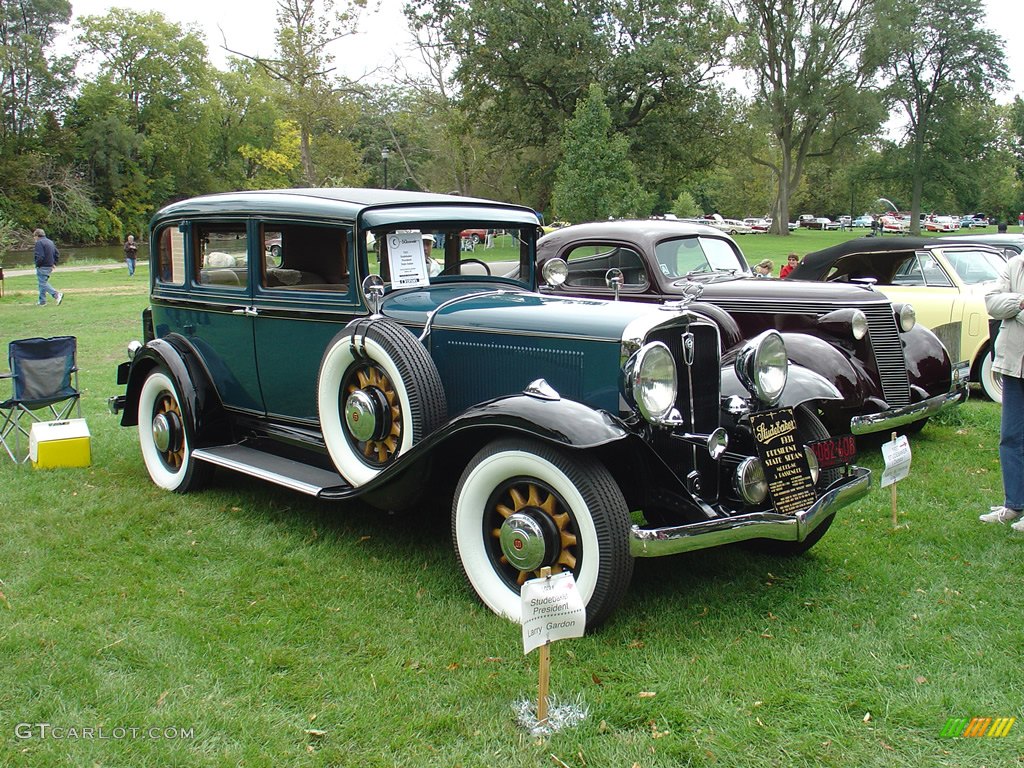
(977, 727)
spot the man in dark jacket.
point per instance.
(46, 258)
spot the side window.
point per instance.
(934, 274)
(305, 257)
(170, 267)
(909, 273)
(589, 263)
(221, 255)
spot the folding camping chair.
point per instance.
(44, 377)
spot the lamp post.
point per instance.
(384, 156)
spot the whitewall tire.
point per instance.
(522, 505)
(166, 436)
(378, 394)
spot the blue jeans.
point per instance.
(43, 276)
(1011, 442)
(131, 265)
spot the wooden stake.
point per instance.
(892, 489)
(544, 681)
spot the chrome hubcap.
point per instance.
(527, 540)
(166, 431)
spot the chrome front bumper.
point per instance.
(898, 417)
(658, 542)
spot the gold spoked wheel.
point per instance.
(373, 411)
(531, 529)
(521, 505)
(167, 431)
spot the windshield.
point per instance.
(975, 266)
(693, 255)
(423, 252)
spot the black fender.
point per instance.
(802, 385)
(199, 397)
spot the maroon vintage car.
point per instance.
(887, 372)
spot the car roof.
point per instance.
(815, 265)
(646, 232)
(336, 202)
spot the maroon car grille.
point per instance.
(888, 350)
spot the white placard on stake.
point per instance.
(552, 609)
(407, 260)
(896, 454)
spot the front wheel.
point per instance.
(521, 505)
(166, 436)
(991, 382)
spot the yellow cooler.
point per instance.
(59, 444)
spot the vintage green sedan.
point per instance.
(566, 433)
(945, 280)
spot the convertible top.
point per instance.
(876, 257)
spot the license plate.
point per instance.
(835, 451)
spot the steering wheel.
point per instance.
(483, 264)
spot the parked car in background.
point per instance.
(888, 372)
(941, 224)
(568, 434)
(946, 282)
(892, 222)
(864, 220)
(729, 226)
(845, 221)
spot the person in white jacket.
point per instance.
(1005, 302)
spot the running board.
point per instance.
(274, 469)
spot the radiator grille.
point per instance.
(888, 351)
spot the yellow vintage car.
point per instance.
(945, 282)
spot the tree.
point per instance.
(31, 83)
(937, 54)
(304, 66)
(522, 66)
(811, 83)
(595, 179)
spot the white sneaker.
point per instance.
(1002, 515)
(60, 297)
(1018, 526)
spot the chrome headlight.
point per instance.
(842, 321)
(763, 367)
(906, 316)
(554, 272)
(750, 481)
(652, 381)
(859, 324)
(812, 463)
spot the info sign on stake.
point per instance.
(552, 610)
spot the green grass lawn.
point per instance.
(275, 630)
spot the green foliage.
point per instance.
(685, 207)
(595, 179)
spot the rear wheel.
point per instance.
(166, 436)
(522, 505)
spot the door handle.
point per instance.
(247, 311)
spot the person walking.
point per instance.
(46, 257)
(131, 252)
(1005, 302)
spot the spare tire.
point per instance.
(378, 394)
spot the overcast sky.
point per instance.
(383, 36)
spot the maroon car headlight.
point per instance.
(906, 317)
(840, 321)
